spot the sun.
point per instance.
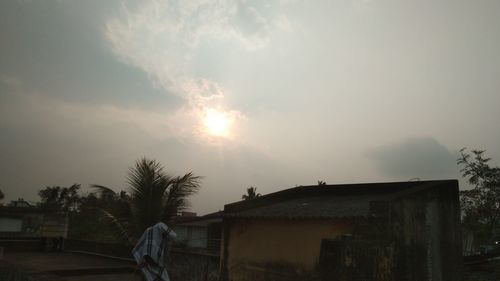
(216, 123)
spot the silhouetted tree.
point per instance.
(321, 183)
(2, 196)
(251, 193)
(481, 204)
(88, 224)
(58, 198)
(153, 196)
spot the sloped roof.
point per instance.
(330, 201)
(309, 207)
(200, 220)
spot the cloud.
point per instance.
(60, 143)
(163, 37)
(10, 82)
(41, 112)
(423, 158)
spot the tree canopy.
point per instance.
(481, 204)
(152, 196)
(251, 193)
(56, 198)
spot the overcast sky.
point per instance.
(339, 91)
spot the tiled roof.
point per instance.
(201, 220)
(324, 202)
(310, 207)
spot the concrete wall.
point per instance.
(20, 244)
(427, 231)
(354, 259)
(188, 266)
(192, 236)
(11, 225)
(20, 224)
(276, 249)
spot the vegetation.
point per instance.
(153, 196)
(81, 210)
(86, 223)
(105, 215)
(58, 198)
(251, 193)
(481, 204)
(2, 196)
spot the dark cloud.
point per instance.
(423, 158)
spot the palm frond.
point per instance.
(118, 225)
(177, 194)
(153, 196)
(147, 182)
(103, 191)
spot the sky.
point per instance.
(271, 94)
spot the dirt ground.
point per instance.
(489, 271)
(81, 267)
(72, 267)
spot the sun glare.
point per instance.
(216, 123)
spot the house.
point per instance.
(202, 233)
(20, 203)
(20, 219)
(55, 225)
(378, 231)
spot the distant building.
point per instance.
(188, 214)
(20, 219)
(20, 203)
(382, 231)
(199, 233)
(55, 225)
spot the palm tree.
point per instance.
(251, 193)
(153, 196)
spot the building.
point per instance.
(199, 233)
(381, 231)
(20, 219)
(23, 220)
(21, 203)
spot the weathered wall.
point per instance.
(450, 238)
(354, 259)
(11, 224)
(273, 249)
(193, 267)
(427, 231)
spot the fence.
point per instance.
(184, 264)
(20, 244)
